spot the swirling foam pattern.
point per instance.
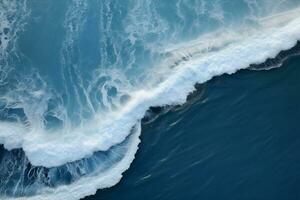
(77, 77)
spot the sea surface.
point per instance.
(181, 99)
(237, 138)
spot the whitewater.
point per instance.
(74, 136)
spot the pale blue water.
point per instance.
(77, 77)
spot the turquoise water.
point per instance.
(93, 91)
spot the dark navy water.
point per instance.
(238, 138)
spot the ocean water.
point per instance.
(246, 147)
(178, 99)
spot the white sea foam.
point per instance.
(11, 134)
(88, 185)
(12, 16)
(101, 133)
(224, 51)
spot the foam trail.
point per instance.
(88, 185)
(253, 47)
(181, 66)
(9, 29)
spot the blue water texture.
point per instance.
(181, 99)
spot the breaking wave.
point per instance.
(71, 106)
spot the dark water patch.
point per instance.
(6, 31)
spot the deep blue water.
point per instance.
(239, 138)
(133, 99)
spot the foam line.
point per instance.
(88, 185)
(101, 133)
(253, 46)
